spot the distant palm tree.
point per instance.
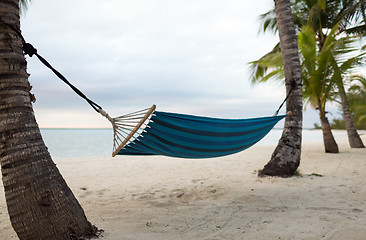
(320, 15)
(339, 70)
(39, 202)
(319, 80)
(321, 72)
(286, 157)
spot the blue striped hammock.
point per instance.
(150, 132)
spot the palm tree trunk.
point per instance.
(40, 204)
(286, 157)
(353, 137)
(330, 144)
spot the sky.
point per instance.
(184, 56)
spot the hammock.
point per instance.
(187, 136)
(150, 132)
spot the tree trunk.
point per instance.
(353, 137)
(40, 204)
(330, 144)
(286, 157)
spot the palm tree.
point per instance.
(348, 15)
(286, 157)
(321, 72)
(339, 70)
(40, 204)
(319, 80)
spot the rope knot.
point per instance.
(29, 49)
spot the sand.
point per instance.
(159, 198)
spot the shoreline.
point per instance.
(221, 198)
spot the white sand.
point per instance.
(159, 198)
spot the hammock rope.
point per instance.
(149, 132)
(122, 138)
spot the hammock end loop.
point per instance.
(29, 49)
(106, 115)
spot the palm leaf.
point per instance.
(23, 5)
(261, 69)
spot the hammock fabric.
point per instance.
(187, 136)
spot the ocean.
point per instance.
(70, 143)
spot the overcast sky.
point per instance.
(184, 56)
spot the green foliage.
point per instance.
(355, 16)
(338, 124)
(341, 125)
(321, 68)
(270, 66)
(326, 54)
(23, 5)
(318, 83)
(357, 100)
(322, 14)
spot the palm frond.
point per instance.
(357, 30)
(23, 5)
(261, 69)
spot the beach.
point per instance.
(148, 198)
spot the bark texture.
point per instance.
(330, 144)
(353, 137)
(40, 204)
(286, 157)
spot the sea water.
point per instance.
(70, 143)
(67, 143)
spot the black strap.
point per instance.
(30, 50)
(293, 85)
